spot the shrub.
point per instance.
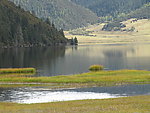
(96, 68)
(113, 26)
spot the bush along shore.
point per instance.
(17, 70)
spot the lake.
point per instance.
(43, 95)
(51, 61)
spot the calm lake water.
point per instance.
(51, 61)
(42, 95)
(68, 60)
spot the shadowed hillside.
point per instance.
(20, 28)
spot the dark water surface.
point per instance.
(42, 95)
(71, 60)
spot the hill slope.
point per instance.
(143, 12)
(18, 28)
(63, 13)
(111, 7)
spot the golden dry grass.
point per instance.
(115, 37)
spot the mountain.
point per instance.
(111, 7)
(63, 13)
(20, 28)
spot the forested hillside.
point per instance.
(63, 13)
(111, 7)
(20, 28)
(143, 12)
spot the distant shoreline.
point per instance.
(34, 45)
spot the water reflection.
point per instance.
(40, 58)
(42, 95)
(76, 59)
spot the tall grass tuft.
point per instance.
(17, 70)
(96, 68)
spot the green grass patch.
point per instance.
(90, 78)
(17, 70)
(135, 104)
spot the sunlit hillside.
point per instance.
(93, 34)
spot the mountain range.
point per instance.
(41, 22)
(71, 14)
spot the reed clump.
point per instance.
(96, 68)
(17, 70)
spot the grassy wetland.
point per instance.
(100, 78)
(90, 79)
(138, 104)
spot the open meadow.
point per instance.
(93, 34)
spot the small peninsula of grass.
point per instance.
(16, 70)
(135, 104)
(100, 78)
